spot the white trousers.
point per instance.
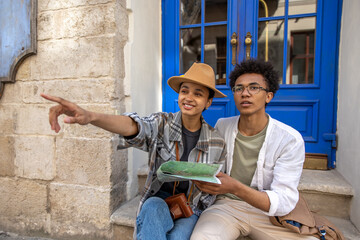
(230, 219)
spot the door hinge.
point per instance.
(331, 137)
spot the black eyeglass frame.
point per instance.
(247, 88)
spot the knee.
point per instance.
(155, 205)
(197, 235)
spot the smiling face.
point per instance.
(252, 104)
(193, 99)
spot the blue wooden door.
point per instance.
(300, 38)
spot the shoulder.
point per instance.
(284, 128)
(212, 133)
(228, 122)
(161, 116)
(280, 130)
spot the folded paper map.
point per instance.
(182, 171)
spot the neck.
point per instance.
(252, 125)
(191, 123)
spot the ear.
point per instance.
(208, 104)
(269, 97)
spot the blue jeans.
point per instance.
(154, 222)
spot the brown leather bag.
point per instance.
(178, 206)
(301, 220)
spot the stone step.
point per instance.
(123, 221)
(326, 192)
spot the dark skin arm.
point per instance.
(228, 184)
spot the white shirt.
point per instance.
(279, 164)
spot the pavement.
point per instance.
(13, 236)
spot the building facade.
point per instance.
(115, 56)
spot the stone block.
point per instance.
(77, 22)
(32, 119)
(34, 157)
(23, 205)
(74, 58)
(11, 94)
(7, 156)
(84, 161)
(123, 232)
(79, 210)
(122, 16)
(24, 70)
(99, 91)
(56, 4)
(8, 118)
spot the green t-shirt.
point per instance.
(246, 152)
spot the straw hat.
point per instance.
(199, 73)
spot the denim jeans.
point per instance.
(154, 222)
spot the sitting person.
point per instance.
(265, 160)
(167, 137)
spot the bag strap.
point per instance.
(176, 183)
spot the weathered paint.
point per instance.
(17, 35)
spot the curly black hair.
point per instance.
(266, 69)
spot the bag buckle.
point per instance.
(322, 232)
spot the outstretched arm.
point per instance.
(122, 125)
(228, 184)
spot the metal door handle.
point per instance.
(234, 43)
(248, 43)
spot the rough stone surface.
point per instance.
(77, 22)
(329, 181)
(56, 5)
(83, 161)
(328, 204)
(83, 91)
(79, 210)
(11, 94)
(8, 118)
(326, 192)
(65, 185)
(34, 157)
(7, 156)
(24, 70)
(23, 205)
(32, 120)
(74, 58)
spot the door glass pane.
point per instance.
(271, 43)
(271, 8)
(302, 6)
(190, 47)
(190, 12)
(215, 51)
(301, 51)
(215, 10)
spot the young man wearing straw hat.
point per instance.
(165, 136)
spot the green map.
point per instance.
(181, 171)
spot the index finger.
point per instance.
(55, 99)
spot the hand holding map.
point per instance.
(181, 171)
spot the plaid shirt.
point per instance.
(158, 134)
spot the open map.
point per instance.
(181, 171)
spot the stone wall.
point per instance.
(65, 184)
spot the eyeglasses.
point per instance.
(252, 89)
